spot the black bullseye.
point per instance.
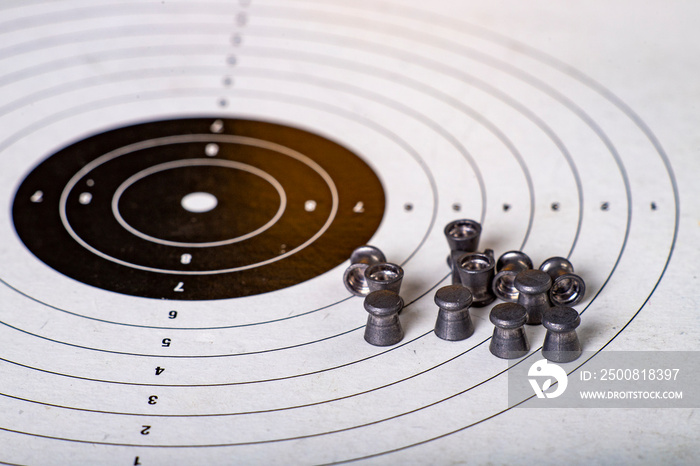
(236, 203)
(198, 208)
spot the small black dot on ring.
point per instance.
(231, 59)
(456, 207)
(506, 207)
(555, 206)
(227, 81)
(408, 207)
(236, 39)
(223, 102)
(605, 206)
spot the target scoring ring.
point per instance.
(209, 201)
(280, 208)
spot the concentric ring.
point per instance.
(494, 110)
(189, 163)
(277, 238)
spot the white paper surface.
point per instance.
(566, 128)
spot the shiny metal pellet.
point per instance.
(354, 276)
(507, 267)
(453, 321)
(462, 236)
(355, 281)
(451, 261)
(476, 272)
(367, 255)
(384, 276)
(509, 340)
(383, 325)
(533, 286)
(568, 288)
(561, 343)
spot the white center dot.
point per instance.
(211, 149)
(310, 206)
(199, 202)
(85, 198)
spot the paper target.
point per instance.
(184, 184)
(198, 207)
